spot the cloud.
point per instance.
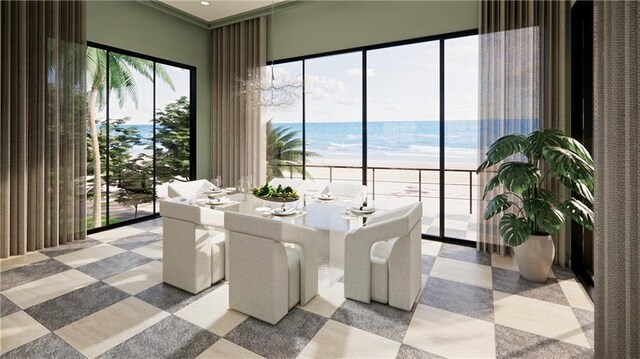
(357, 72)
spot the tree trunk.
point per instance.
(97, 168)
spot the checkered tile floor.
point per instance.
(104, 297)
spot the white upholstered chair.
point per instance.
(354, 190)
(193, 253)
(383, 258)
(266, 277)
(179, 188)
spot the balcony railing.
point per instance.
(373, 170)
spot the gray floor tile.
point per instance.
(409, 352)
(281, 341)
(68, 248)
(7, 306)
(170, 298)
(586, 320)
(149, 224)
(170, 338)
(433, 231)
(427, 264)
(376, 318)
(459, 298)
(49, 346)
(467, 254)
(509, 281)
(113, 265)
(138, 240)
(513, 343)
(66, 309)
(30, 272)
(562, 273)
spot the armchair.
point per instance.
(344, 189)
(178, 188)
(383, 258)
(266, 277)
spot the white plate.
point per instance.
(218, 201)
(362, 210)
(279, 212)
(326, 197)
(214, 191)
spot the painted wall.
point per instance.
(321, 26)
(133, 26)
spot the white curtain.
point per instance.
(617, 193)
(522, 86)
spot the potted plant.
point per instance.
(537, 212)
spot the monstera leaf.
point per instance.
(538, 140)
(565, 163)
(579, 187)
(493, 183)
(577, 211)
(514, 230)
(506, 146)
(517, 177)
(544, 214)
(498, 204)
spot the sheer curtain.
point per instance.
(43, 129)
(522, 85)
(616, 55)
(238, 136)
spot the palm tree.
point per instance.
(284, 150)
(123, 85)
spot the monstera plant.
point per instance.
(536, 211)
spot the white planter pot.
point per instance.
(534, 258)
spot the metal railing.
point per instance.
(382, 168)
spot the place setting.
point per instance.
(277, 194)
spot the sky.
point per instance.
(143, 112)
(402, 81)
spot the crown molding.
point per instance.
(265, 10)
(159, 5)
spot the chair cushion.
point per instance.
(380, 271)
(293, 262)
(217, 256)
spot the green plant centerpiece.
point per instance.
(538, 212)
(276, 194)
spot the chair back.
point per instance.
(354, 190)
(408, 216)
(184, 210)
(178, 188)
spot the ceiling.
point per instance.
(218, 9)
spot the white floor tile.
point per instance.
(117, 233)
(328, 300)
(18, 329)
(449, 334)
(19, 261)
(41, 290)
(101, 331)
(504, 262)
(538, 317)
(212, 312)
(89, 255)
(576, 295)
(153, 250)
(463, 272)
(336, 340)
(137, 279)
(224, 349)
(431, 248)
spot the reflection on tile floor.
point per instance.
(104, 297)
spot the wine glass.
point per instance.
(217, 181)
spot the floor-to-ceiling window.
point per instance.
(139, 133)
(400, 118)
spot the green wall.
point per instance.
(133, 26)
(321, 26)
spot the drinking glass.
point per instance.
(217, 181)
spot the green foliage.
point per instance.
(268, 191)
(284, 151)
(135, 186)
(539, 211)
(173, 136)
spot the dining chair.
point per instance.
(273, 265)
(193, 252)
(355, 191)
(383, 258)
(179, 188)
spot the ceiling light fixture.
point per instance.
(205, 3)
